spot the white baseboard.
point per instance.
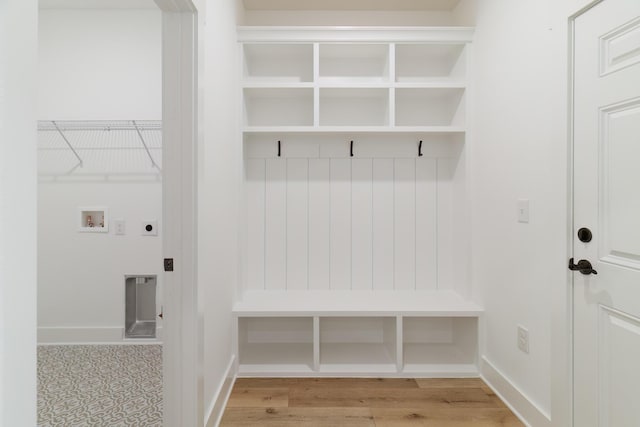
(528, 412)
(91, 335)
(219, 402)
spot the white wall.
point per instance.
(81, 275)
(348, 17)
(99, 64)
(219, 181)
(520, 151)
(96, 64)
(18, 58)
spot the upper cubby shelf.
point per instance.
(278, 63)
(353, 63)
(316, 79)
(424, 63)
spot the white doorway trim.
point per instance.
(182, 365)
(563, 324)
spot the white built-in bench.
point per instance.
(356, 333)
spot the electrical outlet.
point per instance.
(523, 339)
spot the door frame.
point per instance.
(183, 391)
(567, 323)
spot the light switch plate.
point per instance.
(119, 227)
(523, 210)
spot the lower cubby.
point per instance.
(446, 345)
(354, 334)
(358, 344)
(275, 344)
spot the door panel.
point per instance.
(606, 306)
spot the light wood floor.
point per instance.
(289, 402)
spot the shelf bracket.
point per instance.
(75, 153)
(279, 149)
(144, 144)
(351, 149)
(420, 149)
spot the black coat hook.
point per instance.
(279, 149)
(420, 149)
(351, 151)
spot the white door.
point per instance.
(607, 202)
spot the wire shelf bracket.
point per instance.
(144, 144)
(64, 137)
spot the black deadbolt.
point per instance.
(149, 227)
(584, 234)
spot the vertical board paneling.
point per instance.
(340, 224)
(445, 223)
(276, 224)
(426, 224)
(405, 221)
(319, 223)
(255, 187)
(361, 224)
(383, 223)
(297, 223)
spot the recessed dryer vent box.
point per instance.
(140, 306)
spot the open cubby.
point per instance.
(354, 107)
(278, 63)
(354, 62)
(278, 107)
(358, 344)
(416, 63)
(449, 344)
(430, 107)
(277, 344)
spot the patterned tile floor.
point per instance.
(100, 385)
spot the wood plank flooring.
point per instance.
(370, 402)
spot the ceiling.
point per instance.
(97, 4)
(397, 5)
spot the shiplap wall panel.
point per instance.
(297, 223)
(276, 224)
(362, 224)
(426, 224)
(445, 223)
(383, 224)
(340, 224)
(319, 223)
(350, 223)
(405, 224)
(255, 188)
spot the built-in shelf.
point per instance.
(357, 63)
(354, 143)
(278, 63)
(354, 107)
(429, 107)
(443, 303)
(356, 333)
(278, 107)
(275, 344)
(424, 62)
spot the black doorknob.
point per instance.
(585, 235)
(583, 266)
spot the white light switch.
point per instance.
(119, 226)
(523, 210)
